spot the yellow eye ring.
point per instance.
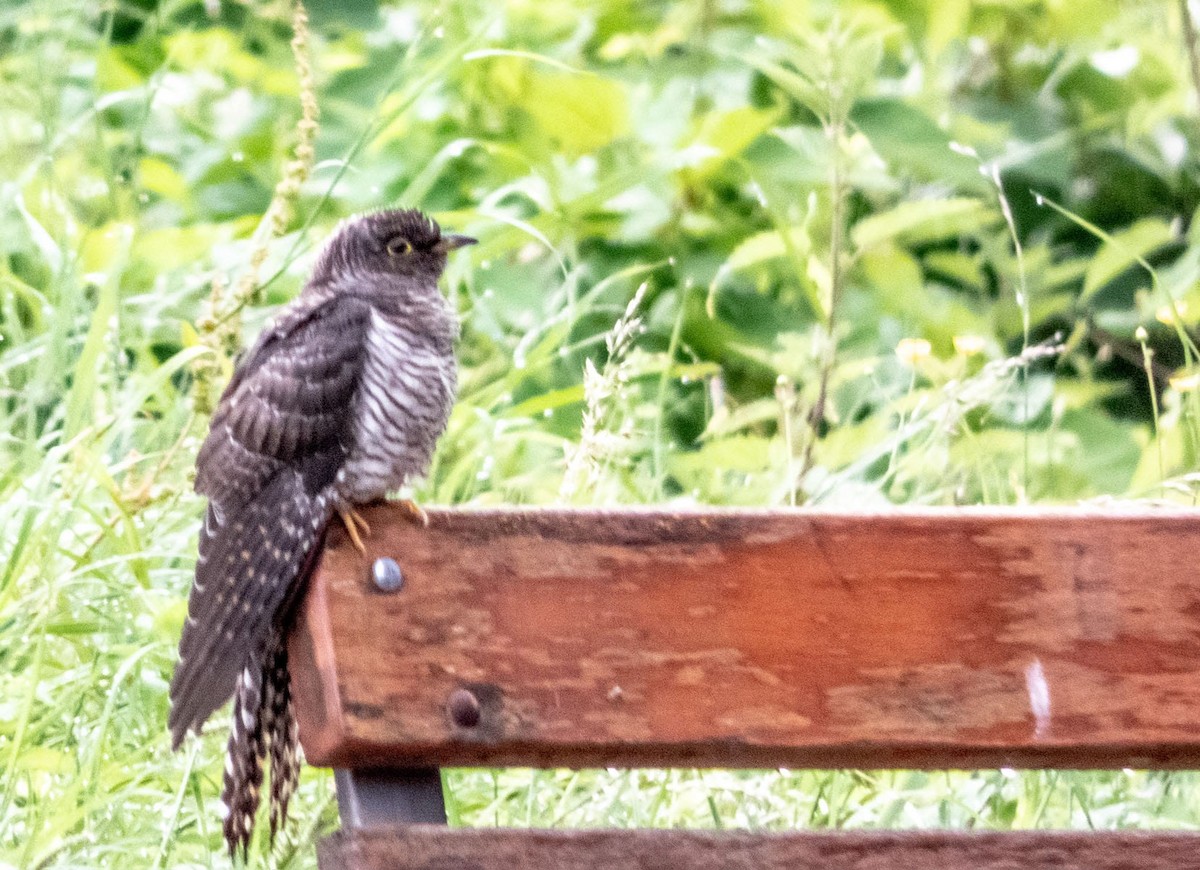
(398, 247)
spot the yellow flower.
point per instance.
(968, 345)
(1186, 383)
(1166, 313)
(912, 350)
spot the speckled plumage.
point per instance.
(339, 401)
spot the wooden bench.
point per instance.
(762, 639)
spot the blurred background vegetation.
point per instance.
(734, 252)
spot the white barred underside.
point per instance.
(400, 410)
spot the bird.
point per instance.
(340, 401)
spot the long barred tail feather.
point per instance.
(264, 727)
(243, 762)
(283, 737)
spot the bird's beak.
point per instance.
(450, 243)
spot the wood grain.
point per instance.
(423, 847)
(939, 638)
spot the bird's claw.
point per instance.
(414, 513)
(352, 519)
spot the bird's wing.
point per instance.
(287, 399)
(278, 438)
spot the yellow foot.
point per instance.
(352, 519)
(414, 512)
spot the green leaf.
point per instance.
(946, 21)
(550, 400)
(580, 112)
(907, 139)
(958, 266)
(1122, 250)
(160, 177)
(748, 416)
(761, 247)
(84, 378)
(362, 14)
(42, 239)
(737, 469)
(1108, 453)
(720, 136)
(924, 221)
(797, 86)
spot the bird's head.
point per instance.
(399, 242)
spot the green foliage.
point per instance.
(850, 229)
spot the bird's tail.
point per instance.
(263, 724)
(243, 762)
(283, 737)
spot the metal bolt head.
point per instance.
(463, 708)
(387, 574)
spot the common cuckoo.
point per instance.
(339, 401)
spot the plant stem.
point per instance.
(835, 131)
(1189, 40)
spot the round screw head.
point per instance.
(463, 708)
(387, 574)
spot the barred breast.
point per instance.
(400, 410)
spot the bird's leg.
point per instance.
(352, 519)
(413, 512)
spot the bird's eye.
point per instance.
(399, 246)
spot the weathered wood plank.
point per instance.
(939, 638)
(424, 847)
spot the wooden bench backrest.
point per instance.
(939, 638)
(935, 639)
